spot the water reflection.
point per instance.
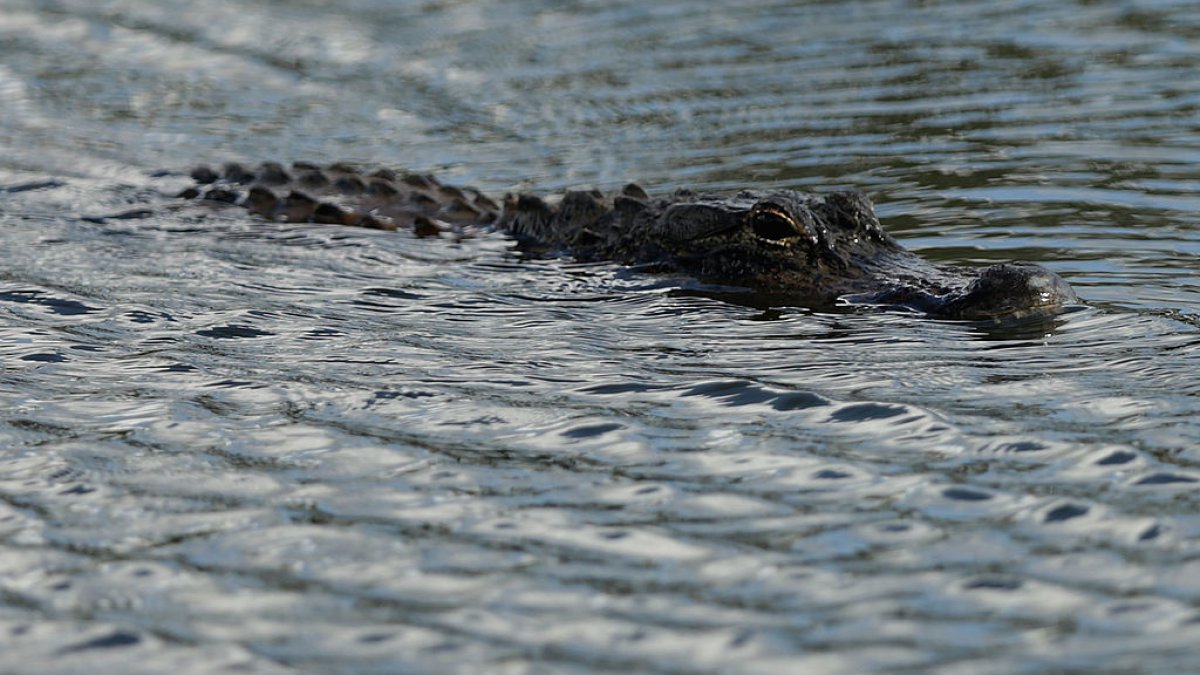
(1023, 331)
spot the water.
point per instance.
(229, 445)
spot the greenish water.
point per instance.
(228, 445)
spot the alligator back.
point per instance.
(585, 224)
(341, 195)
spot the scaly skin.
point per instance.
(814, 250)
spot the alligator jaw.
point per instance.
(1001, 292)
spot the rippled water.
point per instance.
(230, 445)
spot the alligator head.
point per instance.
(816, 250)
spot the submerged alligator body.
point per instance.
(814, 250)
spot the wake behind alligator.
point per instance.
(814, 250)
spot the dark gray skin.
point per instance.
(814, 250)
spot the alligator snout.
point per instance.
(1010, 290)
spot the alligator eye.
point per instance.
(773, 224)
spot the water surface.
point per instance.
(231, 445)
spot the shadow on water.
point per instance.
(52, 304)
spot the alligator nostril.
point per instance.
(773, 225)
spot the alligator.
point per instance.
(814, 250)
